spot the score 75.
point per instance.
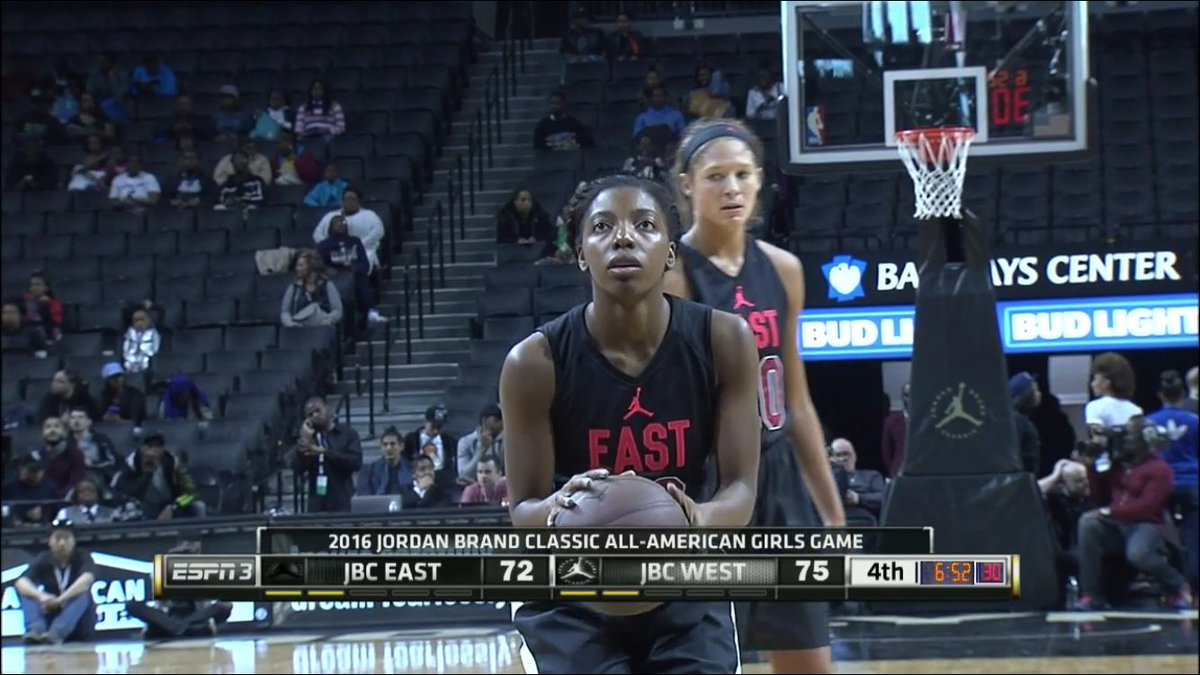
(808, 569)
(812, 571)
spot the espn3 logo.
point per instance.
(210, 570)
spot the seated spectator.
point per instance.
(1134, 493)
(56, 591)
(424, 492)
(257, 164)
(184, 122)
(15, 336)
(709, 96)
(189, 188)
(92, 172)
(275, 118)
(1113, 381)
(627, 44)
(67, 392)
(653, 80)
(109, 84)
(562, 250)
(522, 220)
(230, 122)
(1183, 431)
(343, 252)
(329, 191)
(329, 453)
(90, 120)
(99, 453)
(118, 164)
(486, 442)
(29, 491)
(489, 487)
(184, 400)
(763, 100)
(582, 42)
(87, 509)
(242, 190)
(388, 474)
(65, 106)
(363, 222)
(291, 164)
(154, 78)
(430, 440)
(135, 190)
(43, 311)
(648, 162)
(158, 483)
(1065, 493)
(39, 123)
(120, 401)
(65, 464)
(142, 341)
(863, 497)
(559, 130)
(661, 121)
(320, 115)
(311, 300)
(32, 169)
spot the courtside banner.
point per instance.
(1026, 326)
(890, 278)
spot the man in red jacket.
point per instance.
(1136, 491)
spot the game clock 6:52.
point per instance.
(947, 573)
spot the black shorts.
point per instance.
(783, 501)
(676, 637)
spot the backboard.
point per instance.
(858, 72)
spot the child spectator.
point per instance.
(320, 115)
(43, 312)
(189, 187)
(344, 252)
(32, 169)
(762, 100)
(142, 341)
(184, 400)
(90, 120)
(92, 172)
(135, 190)
(310, 300)
(329, 191)
(242, 190)
(230, 121)
(277, 117)
(154, 78)
(522, 220)
(120, 401)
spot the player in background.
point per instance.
(719, 169)
(674, 376)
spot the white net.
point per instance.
(937, 161)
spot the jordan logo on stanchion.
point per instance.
(635, 406)
(739, 299)
(950, 407)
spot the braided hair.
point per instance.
(579, 203)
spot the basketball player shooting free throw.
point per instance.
(634, 380)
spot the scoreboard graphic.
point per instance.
(880, 564)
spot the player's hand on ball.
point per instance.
(565, 497)
(686, 503)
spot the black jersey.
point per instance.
(757, 295)
(660, 424)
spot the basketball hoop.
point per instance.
(937, 161)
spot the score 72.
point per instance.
(517, 570)
(812, 571)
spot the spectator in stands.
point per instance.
(662, 121)
(582, 42)
(32, 169)
(56, 590)
(486, 442)
(1192, 402)
(66, 104)
(388, 474)
(863, 497)
(710, 95)
(90, 120)
(895, 435)
(118, 163)
(522, 220)
(257, 163)
(1113, 382)
(275, 118)
(119, 400)
(343, 252)
(291, 164)
(142, 341)
(364, 224)
(184, 400)
(39, 123)
(763, 99)
(627, 44)
(99, 454)
(185, 123)
(647, 162)
(1065, 493)
(229, 121)
(559, 130)
(135, 190)
(158, 482)
(109, 83)
(425, 491)
(15, 335)
(1134, 493)
(29, 490)
(43, 311)
(1182, 429)
(242, 190)
(489, 486)
(329, 453)
(92, 172)
(320, 115)
(87, 509)
(189, 187)
(1026, 397)
(65, 464)
(329, 191)
(653, 80)
(67, 392)
(154, 78)
(311, 300)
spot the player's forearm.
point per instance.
(27, 589)
(732, 506)
(814, 467)
(531, 512)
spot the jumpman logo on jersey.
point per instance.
(739, 299)
(635, 406)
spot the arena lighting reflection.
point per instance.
(1026, 326)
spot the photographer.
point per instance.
(1182, 430)
(1134, 483)
(330, 454)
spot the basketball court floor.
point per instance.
(967, 643)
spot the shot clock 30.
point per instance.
(947, 572)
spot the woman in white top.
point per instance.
(363, 223)
(1113, 382)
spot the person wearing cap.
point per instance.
(29, 490)
(119, 400)
(1026, 397)
(55, 590)
(230, 121)
(432, 441)
(158, 482)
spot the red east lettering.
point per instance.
(657, 453)
(680, 428)
(765, 325)
(628, 456)
(646, 450)
(597, 447)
